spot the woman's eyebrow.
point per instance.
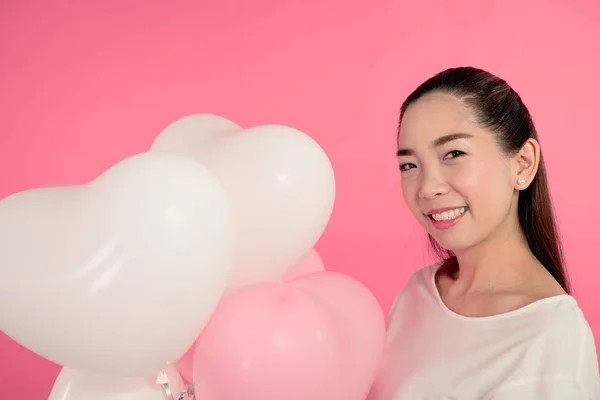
(440, 141)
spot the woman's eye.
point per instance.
(407, 166)
(455, 154)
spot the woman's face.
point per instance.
(456, 180)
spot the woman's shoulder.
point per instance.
(424, 275)
(421, 278)
(558, 319)
(564, 325)
(561, 347)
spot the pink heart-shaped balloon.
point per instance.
(361, 321)
(317, 337)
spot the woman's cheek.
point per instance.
(484, 183)
(470, 178)
(411, 198)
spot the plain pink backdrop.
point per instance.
(86, 84)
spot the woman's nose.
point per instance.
(432, 185)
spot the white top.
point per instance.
(543, 351)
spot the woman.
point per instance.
(494, 319)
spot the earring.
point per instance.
(521, 181)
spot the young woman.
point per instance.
(495, 319)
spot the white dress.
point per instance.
(543, 351)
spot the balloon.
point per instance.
(282, 187)
(75, 385)
(191, 134)
(269, 341)
(185, 365)
(357, 314)
(310, 263)
(120, 275)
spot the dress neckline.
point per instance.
(513, 313)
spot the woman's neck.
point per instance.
(499, 263)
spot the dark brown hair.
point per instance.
(499, 108)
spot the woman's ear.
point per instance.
(527, 161)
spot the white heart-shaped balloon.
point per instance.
(76, 385)
(120, 275)
(191, 134)
(282, 187)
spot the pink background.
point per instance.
(84, 86)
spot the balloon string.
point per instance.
(167, 389)
(187, 394)
(189, 391)
(163, 380)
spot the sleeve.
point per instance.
(555, 388)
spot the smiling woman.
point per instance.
(494, 319)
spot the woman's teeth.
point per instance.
(450, 214)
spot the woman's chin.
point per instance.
(454, 244)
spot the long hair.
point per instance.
(498, 108)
